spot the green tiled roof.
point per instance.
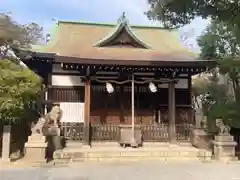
(77, 39)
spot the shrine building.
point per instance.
(104, 75)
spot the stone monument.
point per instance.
(6, 141)
(223, 143)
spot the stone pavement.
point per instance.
(127, 171)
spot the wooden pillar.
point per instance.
(87, 112)
(133, 112)
(171, 112)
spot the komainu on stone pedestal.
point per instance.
(223, 143)
(45, 135)
(199, 136)
(52, 129)
(222, 129)
(35, 148)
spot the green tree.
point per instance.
(176, 13)
(20, 87)
(14, 36)
(220, 42)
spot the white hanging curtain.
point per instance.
(72, 112)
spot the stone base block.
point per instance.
(36, 138)
(5, 160)
(200, 139)
(35, 149)
(224, 138)
(224, 148)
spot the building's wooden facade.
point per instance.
(82, 57)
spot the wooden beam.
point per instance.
(87, 112)
(187, 69)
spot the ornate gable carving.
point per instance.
(123, 39)
(123, 36)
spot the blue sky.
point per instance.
(106, 11)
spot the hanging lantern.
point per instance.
(48, 37)
(109, 88)
(152, 87)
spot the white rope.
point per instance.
(135, 81)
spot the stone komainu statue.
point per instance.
(37, 127)
(51, 128)
(222, 129)
(52, 121)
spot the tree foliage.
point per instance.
(14, 35)
(176, 13)
(220, 41)
(20, 89)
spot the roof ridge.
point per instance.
(111, 24)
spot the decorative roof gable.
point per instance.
(122, 36)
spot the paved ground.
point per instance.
(128, 171)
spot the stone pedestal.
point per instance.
(35, 148)
(200, 138)
(224, 148)
(6, 141)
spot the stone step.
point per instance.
(74, 144)
(129, 154)
(108, 154)
(105, 144)
(126, 159)
(116, 144)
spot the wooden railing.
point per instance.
(183, 132)
(110, 132)
(104, 132)
(73, 131)
(154, 132)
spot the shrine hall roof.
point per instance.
(78, 41)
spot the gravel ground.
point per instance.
(127, 171)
